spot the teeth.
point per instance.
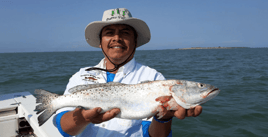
(117, 47)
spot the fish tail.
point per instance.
(45, 98)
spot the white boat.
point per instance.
(18, 118)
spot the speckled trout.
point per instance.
(136, 101)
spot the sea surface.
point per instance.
(240, 110)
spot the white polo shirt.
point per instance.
(130, 73)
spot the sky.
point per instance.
(58, 25)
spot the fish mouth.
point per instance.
(215, 89)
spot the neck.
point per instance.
(110, 65)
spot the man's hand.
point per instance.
(181, 112)
(94, 115)
(157, 129)
(170, 109)
(75, 121)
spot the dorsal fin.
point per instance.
(90, 86)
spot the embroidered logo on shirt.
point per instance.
(89, 77)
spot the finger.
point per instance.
(168, 115)
(180, 113)
(197, 111)
(92, 113)
(190, 112)
(109, 114)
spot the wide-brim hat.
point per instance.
(117, 16)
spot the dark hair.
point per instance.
(135, 33)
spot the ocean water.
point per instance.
(241, 108)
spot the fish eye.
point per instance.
(200, 85)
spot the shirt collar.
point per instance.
(125, 68)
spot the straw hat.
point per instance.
(117, 16)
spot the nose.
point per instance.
(117, 37)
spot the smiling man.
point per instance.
(118, 42)
(118, 35)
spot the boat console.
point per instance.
(18, 118)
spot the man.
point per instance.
(118, 35)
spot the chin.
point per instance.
(117, 60)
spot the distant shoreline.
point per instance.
(212, 48)
(138, 49)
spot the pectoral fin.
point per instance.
(171, 104)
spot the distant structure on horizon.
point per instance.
(211, 48)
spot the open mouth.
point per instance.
(117, 46)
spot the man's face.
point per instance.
(118, 42)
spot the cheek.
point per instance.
(131, 44)
(105, 40)
(104, 43)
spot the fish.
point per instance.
(135, 101)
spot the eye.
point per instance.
(109, 32)
(125, 32)
(200, 85)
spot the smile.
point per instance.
(117, 47)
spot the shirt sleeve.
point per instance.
(159, 76)
(58, 118)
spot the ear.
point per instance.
(100, 46)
